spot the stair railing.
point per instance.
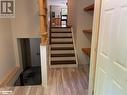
(44, 41)
(43, 21)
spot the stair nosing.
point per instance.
(61, 42)
(62, 32)
(61, 37)
(63, 55)
(63, 62)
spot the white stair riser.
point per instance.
(62, 51)
(61, 35)
(62, 58)
(62, 45)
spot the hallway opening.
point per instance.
(30, 62)
(58, 14)
(70, 46)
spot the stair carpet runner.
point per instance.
(62, 47)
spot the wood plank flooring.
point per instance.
(72, 81)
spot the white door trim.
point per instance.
(94, 46)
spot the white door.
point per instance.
(111, 72)
(35, 51)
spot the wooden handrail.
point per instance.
(44, 38)
(43, 21)
(44, 34)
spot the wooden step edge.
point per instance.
(61, 42)
(63, 62)
(87, 51)
(62, 32)
(60, 37)
(62, 48)
(63, 55)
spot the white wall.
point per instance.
(26, 23)
(80, 20)
(7, 59)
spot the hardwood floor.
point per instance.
(70, 81)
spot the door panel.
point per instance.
(35, 51)
(111, 73)
(100, 76)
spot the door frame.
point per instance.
(94, 46)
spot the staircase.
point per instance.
(62, 51)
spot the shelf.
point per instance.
(89, 8)
(87, 31)
(87, 51)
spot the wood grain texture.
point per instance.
(89, 8)
(87, 51)
(43, 21)
(70, 81)
(10, 77)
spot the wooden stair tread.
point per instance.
(63, 55)
(60, 37)
(62, 45)
(62, 32)
(89, 8)
(62, 48)
(63, 62)
(87, 51)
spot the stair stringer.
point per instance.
(74, 43)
